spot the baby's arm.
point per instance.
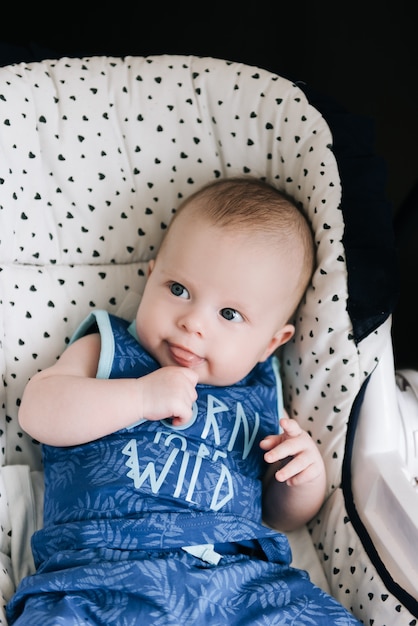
(295, 482)
(66, 404)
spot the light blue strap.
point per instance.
(276, 370)
(107, 351)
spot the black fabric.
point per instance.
(405, 337)
(369, 240)
(16, 53)
(406, 219)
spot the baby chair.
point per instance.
(96, 154)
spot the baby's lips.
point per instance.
(184, 357)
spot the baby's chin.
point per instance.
(215, 381)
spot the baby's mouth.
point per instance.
(184, 357)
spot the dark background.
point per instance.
(361, 55)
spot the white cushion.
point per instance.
(101, 150)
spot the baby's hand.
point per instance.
(299, 460)
(169, 392)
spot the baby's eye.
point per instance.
(178, 290)
(231, 315)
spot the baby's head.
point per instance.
(232, 268)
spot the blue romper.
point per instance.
(161, 525)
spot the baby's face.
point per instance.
(215, 301)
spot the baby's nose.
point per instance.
(193, 322)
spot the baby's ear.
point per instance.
(282, 336)
(150, 266)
